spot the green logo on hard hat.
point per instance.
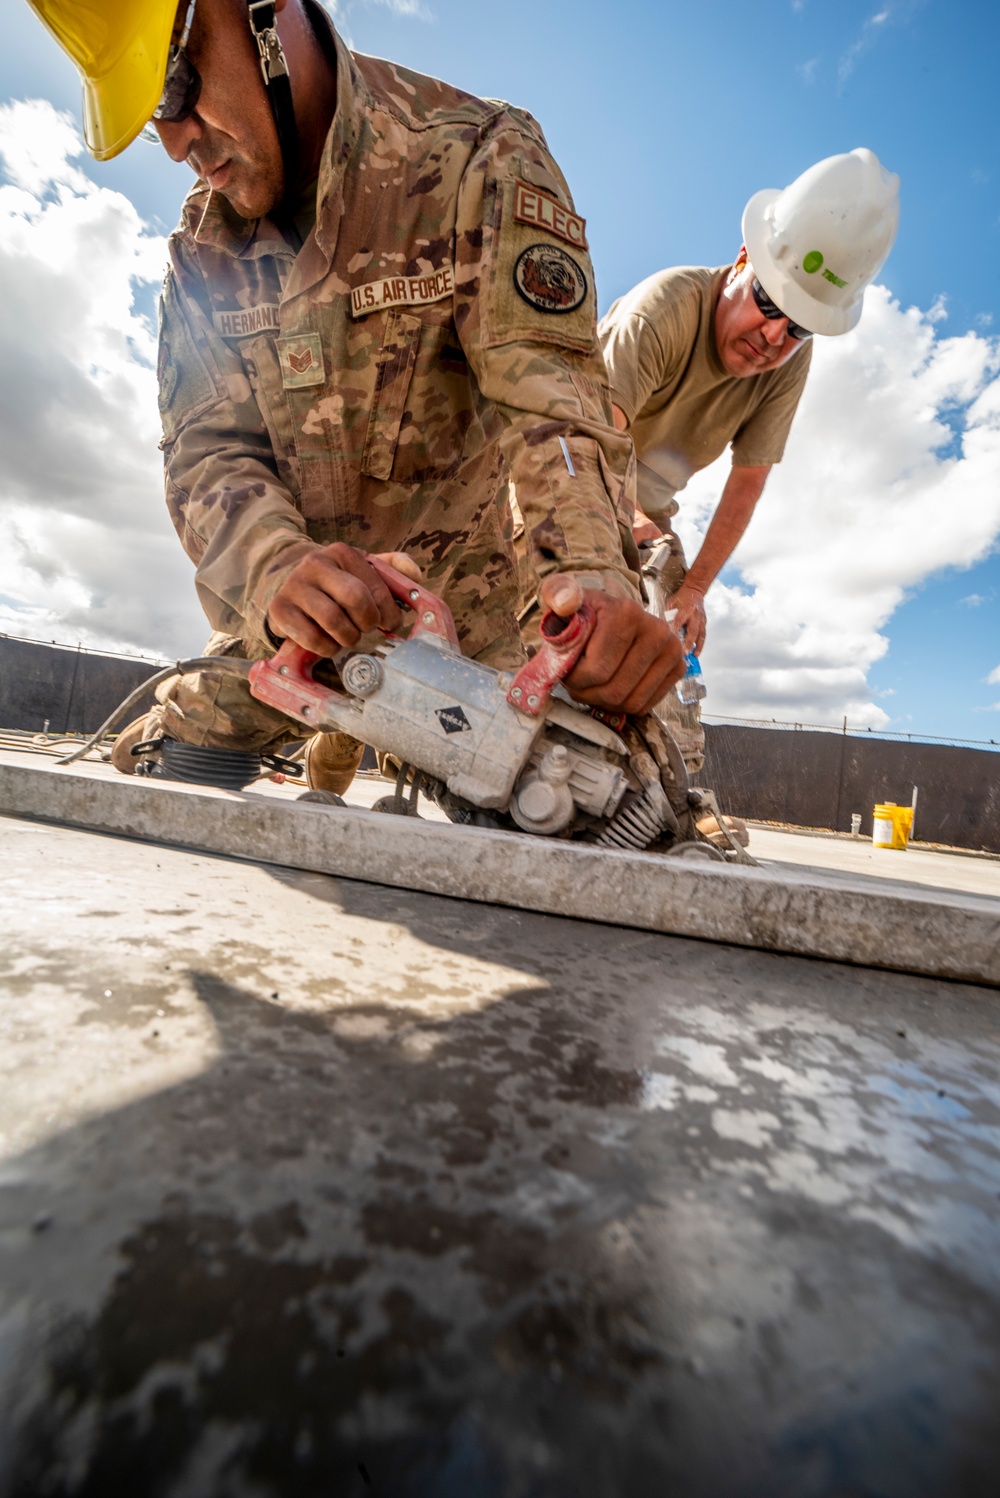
(812, 262)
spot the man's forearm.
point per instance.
(739, 498)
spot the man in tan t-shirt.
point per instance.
(701, 359)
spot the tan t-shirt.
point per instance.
(682, 406)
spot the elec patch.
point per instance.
(453, 720)
(540, 211)
(301, 360)
(549, 279)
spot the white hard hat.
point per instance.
(817, 244)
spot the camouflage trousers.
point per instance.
(215, 710)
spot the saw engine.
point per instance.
(496, 748)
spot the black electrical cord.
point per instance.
(180, 668)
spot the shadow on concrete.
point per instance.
(661, 1219)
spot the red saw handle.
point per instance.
(433, 614)
(563, 643)
(285, 682)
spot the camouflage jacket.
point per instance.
(435, 334)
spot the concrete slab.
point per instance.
(927, 867)
(318, 1189)
(940, 934)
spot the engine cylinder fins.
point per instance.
(639, 822)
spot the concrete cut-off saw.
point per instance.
(509, 750)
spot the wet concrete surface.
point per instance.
(321, 1189)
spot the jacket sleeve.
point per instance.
(235, 515)
(525, 310)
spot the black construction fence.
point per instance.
(816, 777)
(69, 689)
(804, 776)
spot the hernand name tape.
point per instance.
(244, 322)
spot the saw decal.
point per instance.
(453, 719)
(549, 279)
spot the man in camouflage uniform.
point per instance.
(358, 362)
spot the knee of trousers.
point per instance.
(688, 735)
(684, 723)
(216, 710)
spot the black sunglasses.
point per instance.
(182, 84)
(772, 312)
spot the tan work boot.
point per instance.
(710, 829)
(121, 751)
(331, 761)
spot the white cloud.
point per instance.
(402, 7)
(877, 492)
(993, 679)
(38, 145)
(871, 29)
(91, 554)
(341, 11)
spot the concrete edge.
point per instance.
(922, 932)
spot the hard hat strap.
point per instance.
(278, 84)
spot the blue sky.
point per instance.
(665, 118)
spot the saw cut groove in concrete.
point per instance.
(866, 922)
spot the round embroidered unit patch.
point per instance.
(549, 279)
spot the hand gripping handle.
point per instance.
(563, 643)
(286, 681)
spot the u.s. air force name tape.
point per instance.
(388, 291)
(403, 291)
(542, 212)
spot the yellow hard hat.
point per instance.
(120, 48)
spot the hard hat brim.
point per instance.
(118, 103)
(796, 303)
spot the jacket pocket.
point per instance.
(392, 384)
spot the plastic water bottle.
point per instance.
(691, 687)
